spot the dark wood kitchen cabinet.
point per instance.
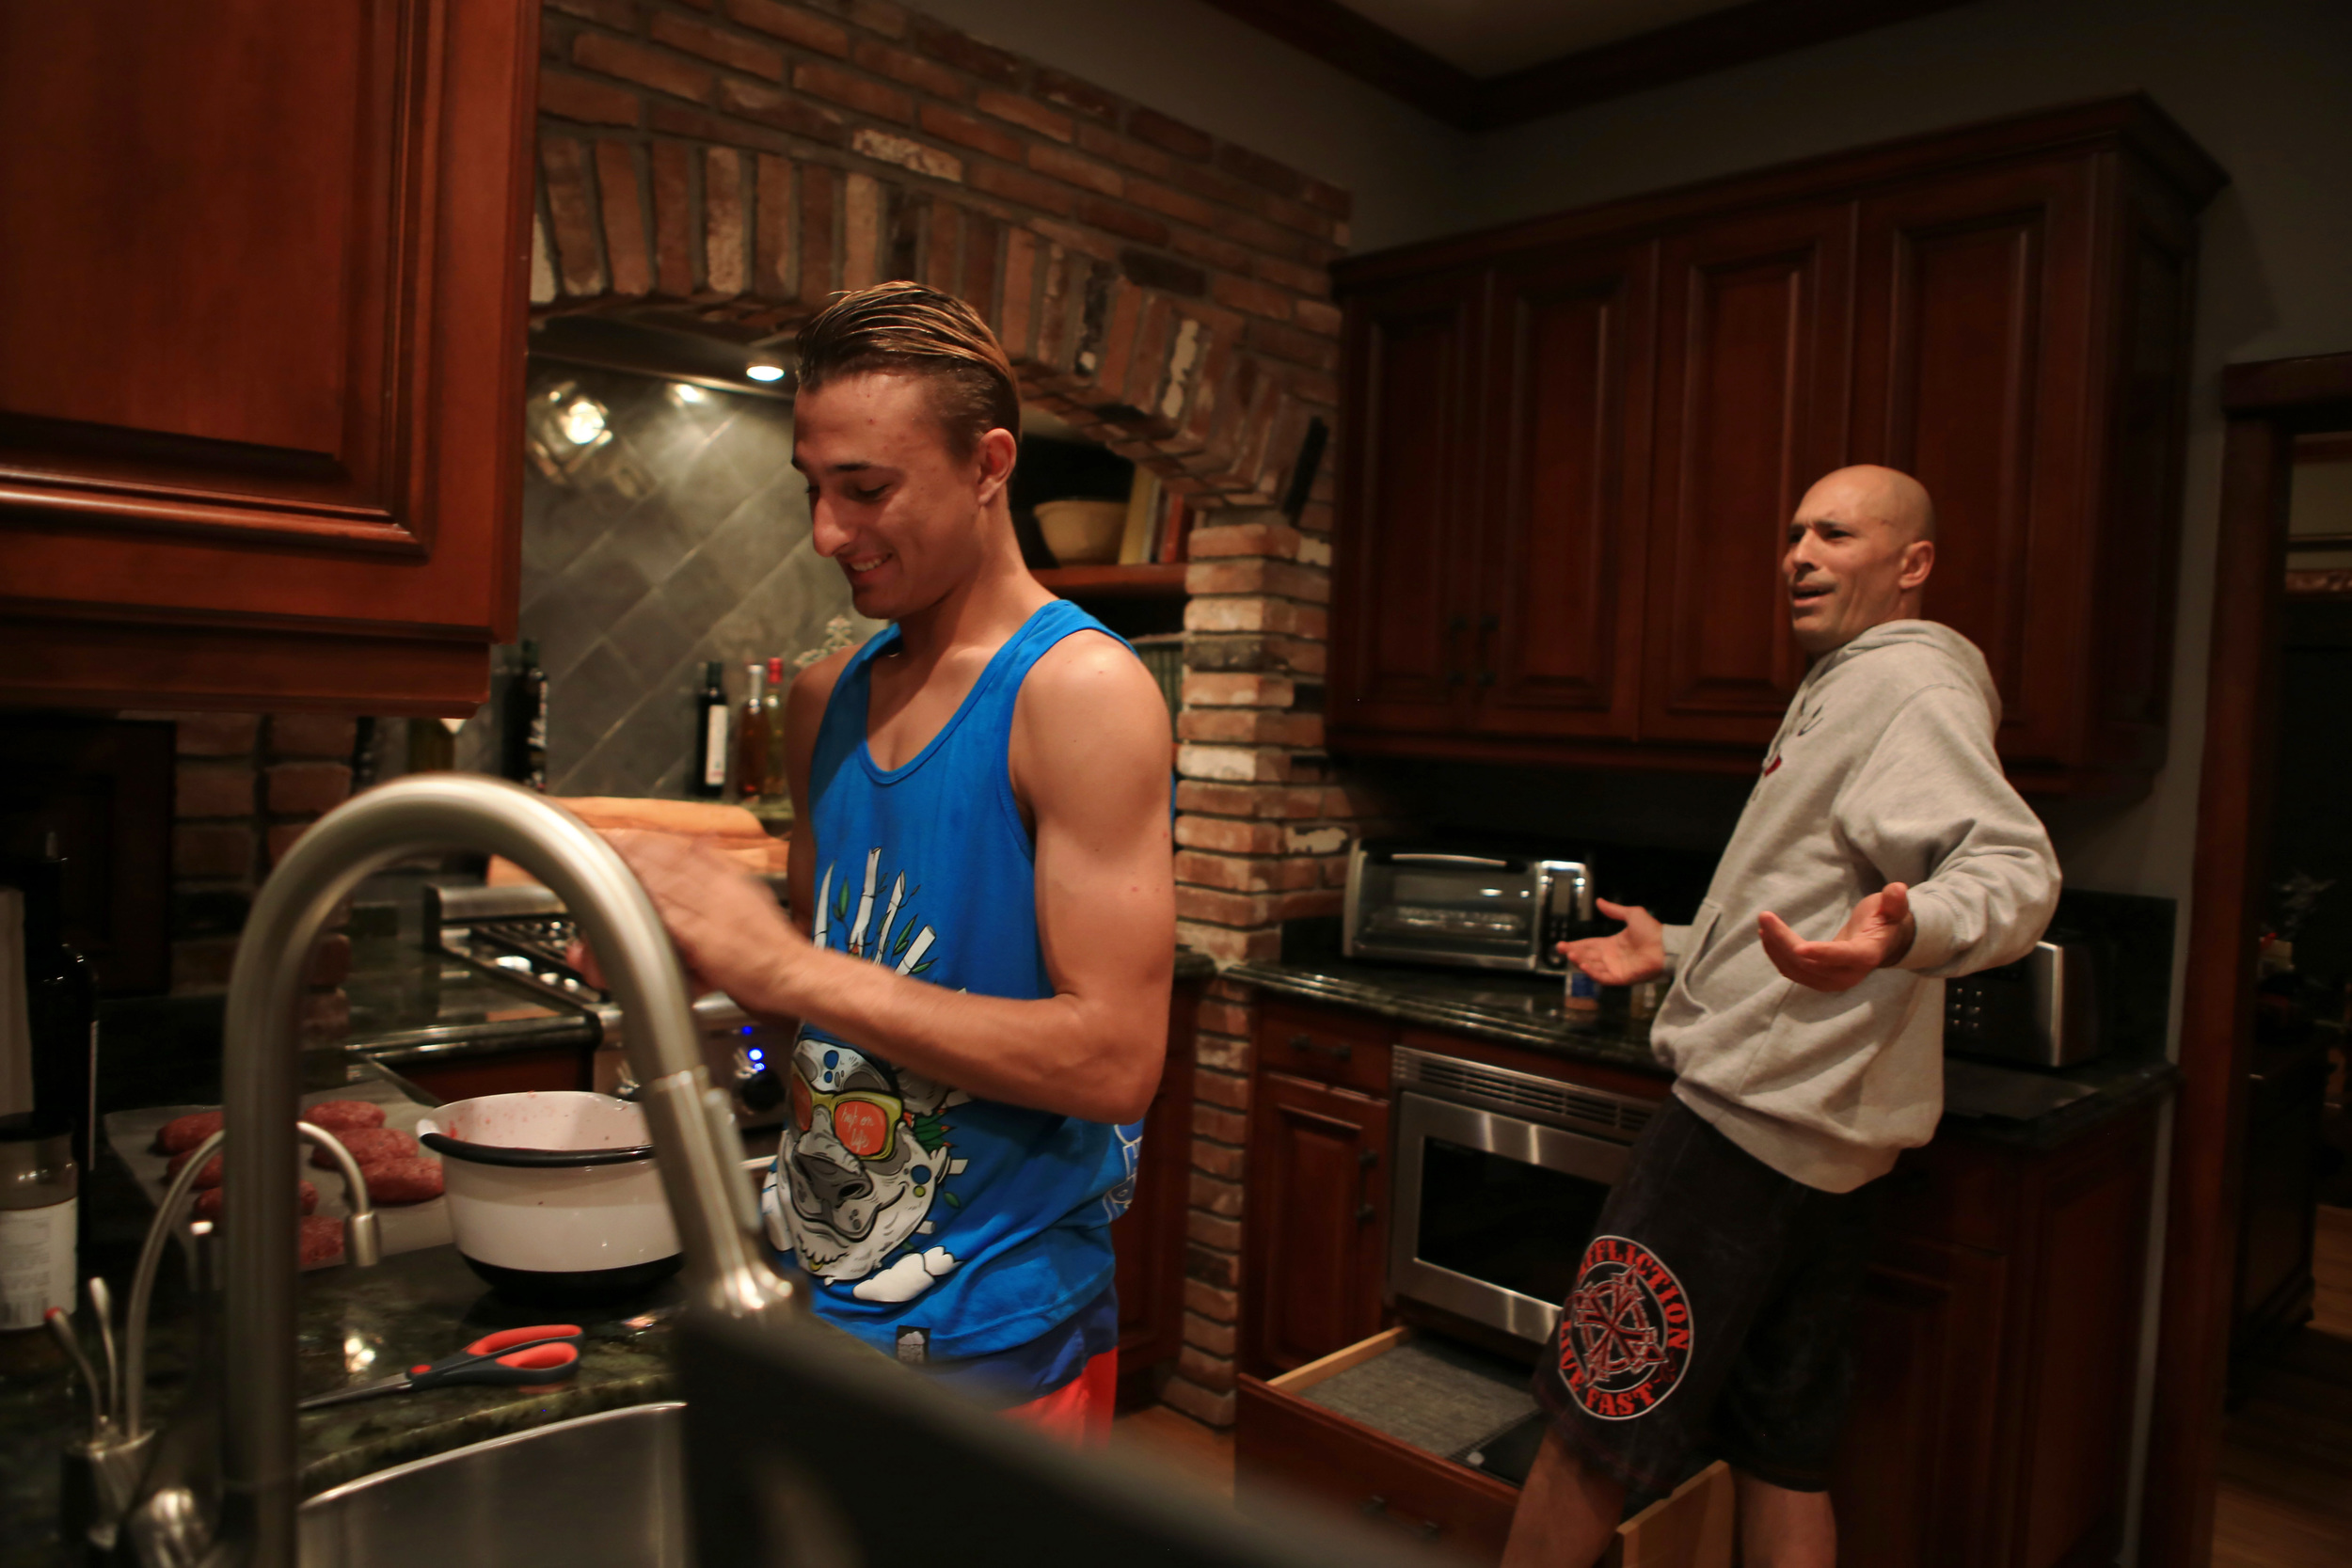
(1751, 366)
(1148, 1238)
(2002, 310)
(1315, 1222)
(260, 370)
(1412, 351)
(1997, 1340)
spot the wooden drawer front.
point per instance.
(1288, 1449)
(1283, 1447)
(1325, 1044)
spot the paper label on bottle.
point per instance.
(715, 746)
(36, 1262)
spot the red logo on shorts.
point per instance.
(1625, 1337)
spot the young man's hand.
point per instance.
(729, 929)
(1876, 936)
(1636, 953)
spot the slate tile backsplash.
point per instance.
(686, 539)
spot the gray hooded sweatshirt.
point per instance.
(1884, 771)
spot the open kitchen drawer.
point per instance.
(1288, 1441)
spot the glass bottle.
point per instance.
(771, 708)
(751, 737)
(710, 778)
(39, 1193)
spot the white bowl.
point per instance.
(554, 1194)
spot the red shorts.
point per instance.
(1079, 1412)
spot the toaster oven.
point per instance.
(2041, 1012)
(1447, 906)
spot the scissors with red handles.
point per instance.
(519, 1357)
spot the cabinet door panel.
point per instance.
(1402, 644)
(264, 370)
(1317, 1221)
(1912, 1484)
(1560, 564)
(1752, 356)
(1971, 372)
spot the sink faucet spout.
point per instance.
(727, 1267)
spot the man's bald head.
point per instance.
(1860, 548)
(1867, 490)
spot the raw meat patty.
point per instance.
(210, 1202)
(367, 1145)
(208, 1176)
(322, 1240)
(413, 1180)
(345, 1115)
(181, 1134)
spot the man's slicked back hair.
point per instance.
(907, 329)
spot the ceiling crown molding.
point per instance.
(1388, 60)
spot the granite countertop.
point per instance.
(1529, 1011)
(353, 1327)
(412, 1005)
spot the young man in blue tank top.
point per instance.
(983, 911)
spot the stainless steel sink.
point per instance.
(608, 1489)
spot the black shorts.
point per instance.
(1713, 1311)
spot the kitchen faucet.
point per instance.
(727, 1272)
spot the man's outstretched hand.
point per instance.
(1876, 936)
(1636, 953)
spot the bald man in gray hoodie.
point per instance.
(1881, 851)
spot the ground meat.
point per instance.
(208, 1176)
(368, 1144)
(322, 1240)
(414, 1179)
(209, 1201)
(342, 1115)
(181, 1134)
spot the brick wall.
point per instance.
(245, 787)
(1166, 292)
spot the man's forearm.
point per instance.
(1065, 1053)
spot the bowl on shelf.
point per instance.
(1082, 532)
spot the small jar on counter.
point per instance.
(39, 1189)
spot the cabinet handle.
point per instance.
(1309, 1047)
(1485, 677)
(1455, 626)
(1376, 1509)
(1483, 655)
(1365, 1214)
(1367, 1157)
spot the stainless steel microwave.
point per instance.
(1498, 1178)
(1430, 904)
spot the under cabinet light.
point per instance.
(764, 371)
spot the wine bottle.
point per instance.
(710, 778)
(751, 737)
(771, 707)
(526, 725)
(60, 1004)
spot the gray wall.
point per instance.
(686, 539)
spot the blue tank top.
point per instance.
(939, 1226)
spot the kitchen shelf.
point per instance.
(1161, 581)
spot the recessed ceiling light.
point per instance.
(686, 391)
(764, 372)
